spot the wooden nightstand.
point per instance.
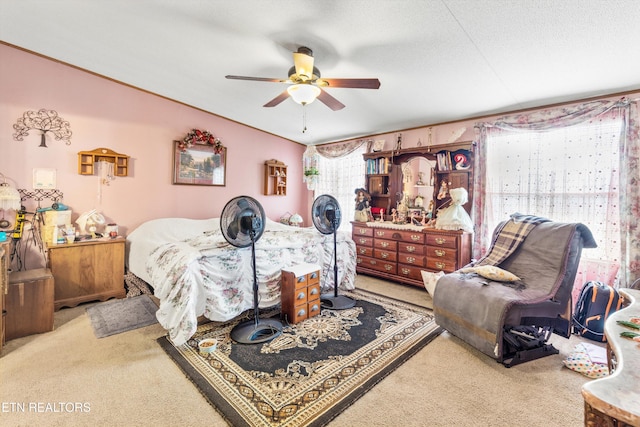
(87, 271)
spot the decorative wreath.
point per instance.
(203, 137)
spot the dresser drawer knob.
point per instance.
(384, 255)
(405, 271)
(384, 244)
(363, 251)
(363, 241)
(411, 260)
(440, 240)
(380, 233)
(301, 313)
(440, 265)
(388, 267)
(415, 237)
(301, 295)
(362, 231)
(314, 291)
(411, 248)
(440, 252)
(373, 262)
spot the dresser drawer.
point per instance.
(376, 264)
(385, 255)
(385, 244)
(442, 253)
(363, 241)
(364, 251)
(412, 237)
(447, 266)
(417, 260)
(443, 240)
(362, 231)
(411, 248)
(382, 233)
(410, 271)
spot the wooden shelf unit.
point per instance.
(385, 188)
(275, 178)
(87, 160)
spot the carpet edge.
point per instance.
(201, 385)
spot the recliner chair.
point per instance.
(479, 310)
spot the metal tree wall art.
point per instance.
(44, 121)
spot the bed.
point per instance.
(194, 272)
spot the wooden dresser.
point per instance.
(87, 271)
(400, 254)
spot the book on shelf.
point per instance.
(377, 166)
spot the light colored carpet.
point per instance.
(127, 380)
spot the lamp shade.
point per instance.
(295, 220)
(9, 197)
(303, 93)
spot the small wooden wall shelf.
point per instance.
(275, 178)
(87, 160)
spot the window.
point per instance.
(340, 176)
(569, 174)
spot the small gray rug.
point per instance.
(121, 315)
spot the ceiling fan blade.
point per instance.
(330, 101)
(256, 79)
(350, 83)
(278, 99)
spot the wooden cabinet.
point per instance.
(275, 178)
(29, 303)
(5, 253)
(400, 255)
(384, 179)
(87, 271)
(87, 160)
(300, 292)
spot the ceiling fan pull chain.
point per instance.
(304, 119)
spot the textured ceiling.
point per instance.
(437, 60)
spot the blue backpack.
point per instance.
(595, 304)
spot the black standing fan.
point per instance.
(325, 214)
(242, 224)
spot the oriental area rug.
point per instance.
(313, 370)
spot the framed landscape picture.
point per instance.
(199, 164)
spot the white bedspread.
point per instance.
(194, 271)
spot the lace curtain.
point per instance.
(342, 170)
(575, 164)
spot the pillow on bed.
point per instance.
(491, 272)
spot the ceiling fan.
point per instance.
(305, 83)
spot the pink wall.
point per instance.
(103, 113)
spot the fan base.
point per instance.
(339, 302)
(250, 332)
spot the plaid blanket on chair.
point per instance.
(509, 237)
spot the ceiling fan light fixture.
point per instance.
(303, 60)
(303, 94)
